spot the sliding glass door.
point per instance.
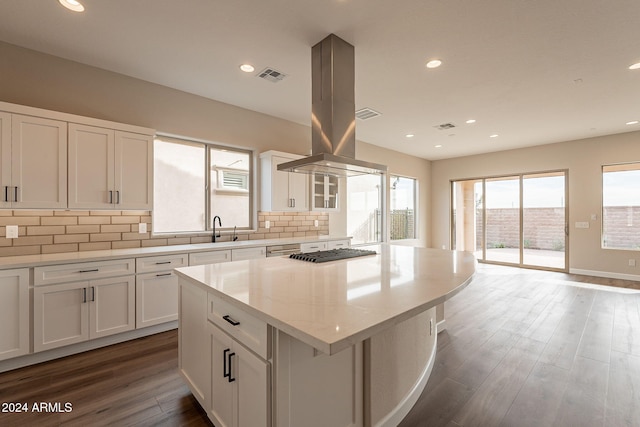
(516, 220)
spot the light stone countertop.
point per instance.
(332, 305)
(26, 261)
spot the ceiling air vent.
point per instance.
(445, 126)
(269, 74)
(366, 114)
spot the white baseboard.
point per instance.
(441, 325)
(56, 353)
(606, 274)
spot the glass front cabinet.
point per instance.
(324, 192)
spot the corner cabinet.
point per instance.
(33, 162)
(282, 191)
(109, 169)
(324, 193)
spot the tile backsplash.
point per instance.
(52, 231)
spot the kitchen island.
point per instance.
(284, 342)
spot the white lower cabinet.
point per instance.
(239, 384)
(156, 298)
(69, 313)
(157, 289)
(14, 313)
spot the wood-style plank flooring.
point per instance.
(522, 348)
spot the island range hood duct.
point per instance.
(333, 114)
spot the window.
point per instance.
(364, 208)
(403, 208)
(194, 181)
(621, 206)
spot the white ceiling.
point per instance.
(532, 71)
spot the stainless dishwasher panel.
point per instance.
(280, 250)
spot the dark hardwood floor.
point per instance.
(522, 348)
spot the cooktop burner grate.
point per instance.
(332, 255)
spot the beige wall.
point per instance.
(44, 81)
(583, 159)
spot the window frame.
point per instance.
(629, 166)
(208, 171)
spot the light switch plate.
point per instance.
(315, 222)
(142, 227)
(267, 224)
(12, 231)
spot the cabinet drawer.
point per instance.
(313, 247)
(161, 263)
(65, 273)
(248, 253)
(337, 244)
(243, 327)
(213, 257)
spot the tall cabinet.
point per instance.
(33, 162)
(14, 313)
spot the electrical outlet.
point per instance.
(315, 223)
(142, 227)
(12, 231)
(267, 224)
(632, 263)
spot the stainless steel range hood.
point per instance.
(333, 114)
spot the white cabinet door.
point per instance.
(252, 384)
(5, 159)
(222, 379)
(14, 313)
(133, 170)
(38, 163)
(282, 191)
(313, 247)
(91, 157)
(112, 306)
(109, 169)
(156, 298)
(60, 315)
(239, 384)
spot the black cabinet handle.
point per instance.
(84, 295)
(89, 271)
(227, 373)
(6, 193)
(110, 196)
(93, 293)
(163, 262)
(230, 320)
(163, 274)
(231, 379)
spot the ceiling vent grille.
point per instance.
(272, 75)
(366, 114)
(445, 126)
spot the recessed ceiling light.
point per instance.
(409, 135)
(470, 121)
(495, 135)
(438, 146)
(635, 66)
(247, 68)
(434, 63)
(633, 122)
(72, 5)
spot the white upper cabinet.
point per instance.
(33, 162)
(109, 169)
(282, 191)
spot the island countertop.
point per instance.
(333, 305)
